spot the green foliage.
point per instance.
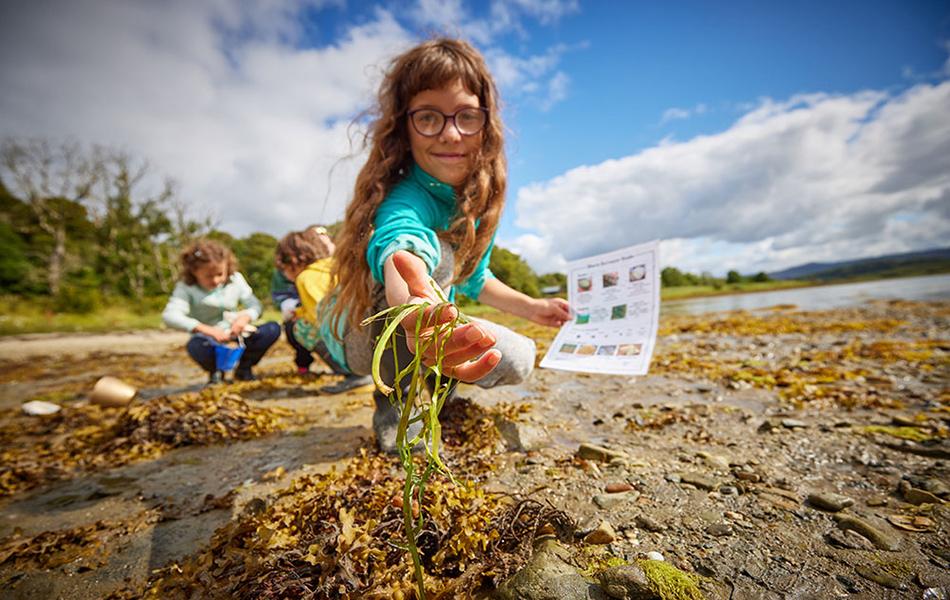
(733, 277)
(14, 265)
(761, 276)
(79, 293)
(672, 277)
(669, 583)
(255, 253)
(79, 228)
(552, 280)
(514, 271)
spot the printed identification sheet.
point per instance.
(615, 298)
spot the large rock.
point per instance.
(548, 576)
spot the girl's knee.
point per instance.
(517, 362)
(270, 331)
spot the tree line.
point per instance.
(86, 226)
(673, 277)
(82, 227)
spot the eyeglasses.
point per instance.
(429, 122)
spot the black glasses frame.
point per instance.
(445, 120)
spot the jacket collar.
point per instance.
(442, 191)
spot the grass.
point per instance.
(696, 291)
(21, 316)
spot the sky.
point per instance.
(745, 135)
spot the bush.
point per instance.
(79, 293)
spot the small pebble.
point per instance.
(719, 529)
(648, 523)
(654, 555)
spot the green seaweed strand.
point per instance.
(430, 434)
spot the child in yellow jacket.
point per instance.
(306, 257)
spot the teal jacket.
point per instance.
(409, 218)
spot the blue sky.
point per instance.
(749, 135)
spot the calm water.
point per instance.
(933, 287)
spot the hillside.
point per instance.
(923, 262)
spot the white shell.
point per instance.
(38, 407)
(655, 556)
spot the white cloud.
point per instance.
(557, 90)
(816, 177)
(530, 77)
(518, 76)
(537, 252)
(673, 114)
(546, 11)
(218, 95)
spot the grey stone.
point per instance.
(848, 540)
(520, 436)
(714, 460)
(604, 534)
(606, 501)
(881, 539)
(829, 501)
(649, 524)
(793, 424)
(719, 529)
(917, 496)
(700, 480)
(728, 490)
(548, 576)
(936, 487)
(625, 582)
(878, 576)
(592, 452)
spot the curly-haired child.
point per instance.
(214, 302)
(428, 202)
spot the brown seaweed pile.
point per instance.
(85, 437)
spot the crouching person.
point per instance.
(214, 302)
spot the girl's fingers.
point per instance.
(470, 372)
(466, 343)
(468, 353)
(434, 315)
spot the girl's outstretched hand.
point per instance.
(468, 352)
(552, 312)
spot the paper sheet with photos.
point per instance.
(615, 300)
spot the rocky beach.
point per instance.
(768, 454)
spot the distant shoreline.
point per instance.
(688, 292)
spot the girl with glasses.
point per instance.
(428, 202)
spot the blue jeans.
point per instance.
(201, 348)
